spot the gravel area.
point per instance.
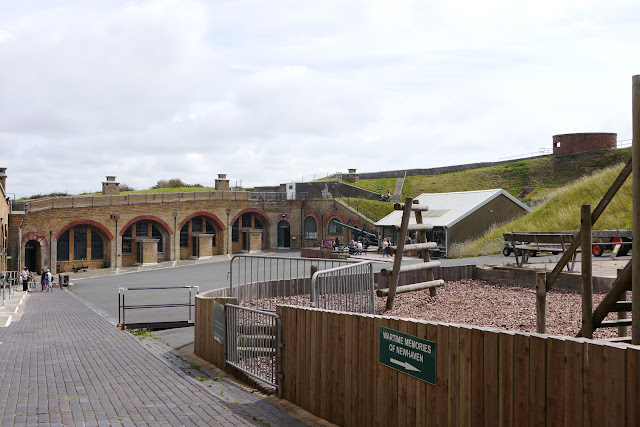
(481, 303)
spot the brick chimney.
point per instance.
(110, 187)
(222, 183)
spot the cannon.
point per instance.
(368, 239)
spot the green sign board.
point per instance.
(408, 354)
(219, 322)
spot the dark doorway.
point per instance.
(245, 241)
(139, 252)
(284, 235)
(195, 249)
(32, 255)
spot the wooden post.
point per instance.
(541, 302)
(635, 214)
(586, 272)
(402, 236)
(623, 331)
(422, 238)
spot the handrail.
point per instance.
(123, 307)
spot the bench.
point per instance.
(539, 242)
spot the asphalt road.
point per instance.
(103, 291)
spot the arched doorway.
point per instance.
(284, 235)
(32, 255)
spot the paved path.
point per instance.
(65, 363)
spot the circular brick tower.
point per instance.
(575, 142)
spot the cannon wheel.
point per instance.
(596, 250)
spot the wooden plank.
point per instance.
(593, 384)
(477, 375)
(555, 381)
(574, 356)
(521, 381)
(465, 367)
(421, 386)
(443, 375)
(323, 378)
(385, 400)
(355, 373)
(505, 378)
(301, 387)
(349, 343)
(632, 380)
(434, 389)
(491, 365)
(454, 374)
(409, 327)
(394, 388)
(378, 371)
(368, 364)
(337, 405)
(537, 380)
(614, 385)
(314, 357)
(306, 395)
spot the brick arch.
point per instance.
(37, 236)
(90, 222)
(314, 215)
(146, 218)
(252, 210)
(209, 215)
(331, 218)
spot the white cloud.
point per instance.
(268, 92)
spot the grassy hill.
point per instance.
(544, 174)
(561, 210)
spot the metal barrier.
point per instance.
(348, 288)
(265, 281)
(253, 343)
(122, 308)
(9, 282)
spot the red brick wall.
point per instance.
(576, 142)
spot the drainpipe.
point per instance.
(176, 237)
(50, 251)
(228, 232)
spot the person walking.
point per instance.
(49, 280)
(43, 280)
(24, 275)
(385, 245)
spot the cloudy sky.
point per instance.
(273, 91)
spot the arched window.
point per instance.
(184, 236)
(97, 245)
(127, 240)
(334, 227)
(235, 232)
(310, 228)
(156, 234)
(80, 243)
(63, 247)
(211, 230)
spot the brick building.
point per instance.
(114, 230)
(576, 142)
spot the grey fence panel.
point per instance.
(253, 343)
(347, 288)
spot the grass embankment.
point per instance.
(372, 209)
(561, 211)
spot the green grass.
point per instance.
(561, 211)
(372, 209)
(379, 185)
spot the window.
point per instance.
(142, 229)
(156, 234)
(246, 221)
(211, 230)
(80, 243)
(235, 235)
(184, 236)
(258, 224)
(63, 247)
(196, 225)
(310, 228)
(127, 238)
(97, 245)
(334, 227)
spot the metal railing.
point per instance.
(123, 307)
(347, 288)
(253, 343)
(148, 198)
(265, 281)
(540, 152)
(9, 281)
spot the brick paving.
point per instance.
(64, 363)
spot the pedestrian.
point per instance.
(385, 245)
(24, 275)
(43, 278)
(49, 280)
(359, 251)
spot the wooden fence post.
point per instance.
(541, 302)
(635, 212)
(586, 269)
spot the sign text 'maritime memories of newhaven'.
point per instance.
(406, 353)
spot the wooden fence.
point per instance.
(484, 376)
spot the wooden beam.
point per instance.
(412, 267)
(635, 212)
(604, 202)
(414, 207)
(541, 302)
(413, 287)
(402, 236)
(412, 227)
(586, 272)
